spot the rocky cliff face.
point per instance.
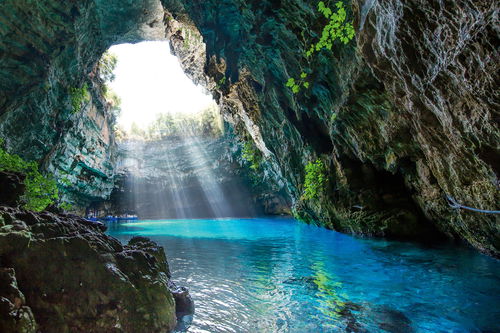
(61, 273)
(42, 64)
(403, 116)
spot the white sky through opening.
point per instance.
(149, 80)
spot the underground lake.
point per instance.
(280, 275)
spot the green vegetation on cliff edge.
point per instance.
(315, 180)
(337, 28)
(40, 191)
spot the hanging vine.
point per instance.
(337, 28)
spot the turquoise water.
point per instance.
(280, 275)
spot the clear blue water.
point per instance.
(280, 275)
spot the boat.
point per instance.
(127, 218)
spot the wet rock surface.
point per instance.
(402, 116)
(65, 274)
(15, 315)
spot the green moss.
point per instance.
(40, 191)
(315, 180)
(78, 97)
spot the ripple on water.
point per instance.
(277, 275)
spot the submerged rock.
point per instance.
(184, 304)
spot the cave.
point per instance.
(339, 154)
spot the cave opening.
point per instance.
(170, 138)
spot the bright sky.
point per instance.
(149, 80)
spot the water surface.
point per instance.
(280, 275)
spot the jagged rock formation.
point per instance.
(402, 116)
(61, 273)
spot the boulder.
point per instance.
(11, 187)
(75, 278)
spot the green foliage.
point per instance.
(66, 206)
(207, 122)
(337, 28)
(221, 82)
(113, 100)
(315, 179)
(40, 191)
(106, 67)
(252, 155)
(295, 85)
(78, 97)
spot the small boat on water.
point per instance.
(127, 218)
(113, 218)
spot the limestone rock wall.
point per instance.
(47, 49)
(403, 116)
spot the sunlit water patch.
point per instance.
(279, 275)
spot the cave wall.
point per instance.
(413, 97)
(403, 116)
(47, 49)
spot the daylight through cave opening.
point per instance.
(170, 137)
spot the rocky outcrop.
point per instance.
(402, 117)
(15, 315)
(61, 273)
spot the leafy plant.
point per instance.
(315, 180)
(114, 101)
(106, 66)
(78, 97)
(40, 191)
(221, 82)
(295, 85)
(66, 206)
(251, 154)
(337, 28)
